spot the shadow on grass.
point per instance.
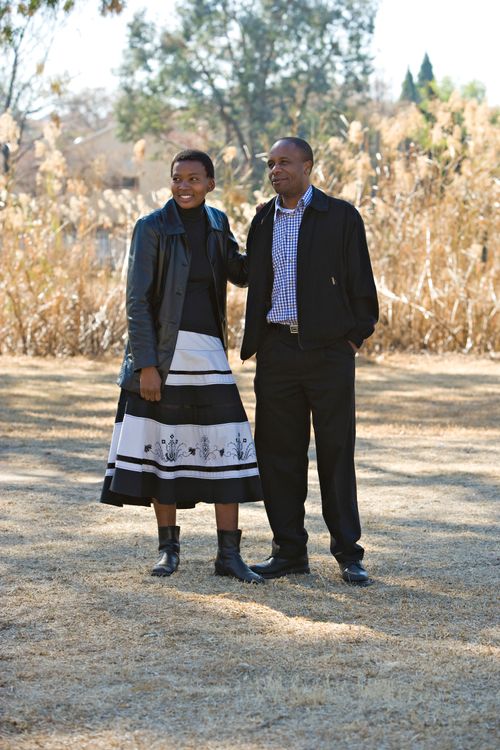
(405, 556)
(289, 650)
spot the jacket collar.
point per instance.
(214, 218)
(319, 202)
(172, 223)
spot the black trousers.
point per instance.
(290, 386)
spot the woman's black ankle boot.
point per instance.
(228, 561)
(169, 548)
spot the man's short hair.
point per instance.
(191, 154)
(300, 144)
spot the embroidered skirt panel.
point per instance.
(195, 445)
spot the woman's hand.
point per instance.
(150, 384)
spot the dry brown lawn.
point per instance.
(98, 654)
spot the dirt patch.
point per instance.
(98, 654)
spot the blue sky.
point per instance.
(460, 37)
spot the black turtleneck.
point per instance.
(199, 311)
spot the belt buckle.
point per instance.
(294, 328)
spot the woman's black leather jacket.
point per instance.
(158, 272)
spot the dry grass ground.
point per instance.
(98, 654)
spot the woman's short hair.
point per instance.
(191, 154)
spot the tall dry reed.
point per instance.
(427, 187)
(58, 297)
(430, 199)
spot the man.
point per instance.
(311, 303)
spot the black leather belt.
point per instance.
(285, 327)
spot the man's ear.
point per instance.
(308, 167)
(211, 184)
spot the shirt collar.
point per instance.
(303, 202)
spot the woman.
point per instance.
(181, 433)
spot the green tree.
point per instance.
(26, 33)
(426, 73)
(250, 69)
(13, 14)
(426, 82)
(445, 88)
(24, 88)
(409, 91)
(474, 90)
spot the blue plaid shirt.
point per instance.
(285, 239)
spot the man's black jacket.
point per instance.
(158, 272)
(336, 295)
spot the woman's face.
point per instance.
(190, 183)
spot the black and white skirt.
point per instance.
(195, 445)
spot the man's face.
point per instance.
(190, 184)
(288, 172)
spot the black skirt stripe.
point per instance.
(198, 372)
(140, 489)
(218, 407)
(183, 467)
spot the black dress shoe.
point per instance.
(354, 572)
(275, 567)
(169, 548)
